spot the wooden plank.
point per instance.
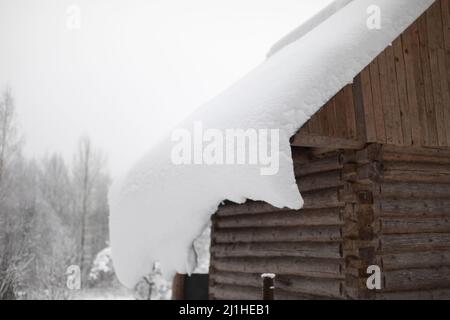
(423, 155)
(402, 190)
(304, 129)
(417, 279)
(315, 123)
(368, 105)
(178, 287)
(377, 101)
(314, 141)
(427, 80)
(250, 207)
(324, 217)
(235, 292)
(440, 294)
(313, 200)
(278, 234)
(319, 181)
(445, 8)
(414, 85)
(330, 163)
(410, 260)
(359, 108)
(405, 113)
(387, 101)
(417, 167)
(405, 225)
(350, 112)
(437, 64)
(278, 249)
(323, 121)
(330, 109)
(309, 286)
(390, 174)
(319, 268)
(414, 242)
(324, 199)
(413, 207)
(394, 96)
(340, 111)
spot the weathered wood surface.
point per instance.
(317, 217)
(417, 279)
(308, 286)
(386, 204)
(415, 260)
(277, 234)
(439, 294)
(307, 267)
(414, 242)
(331, 250)
(235, 292)
(401, 98)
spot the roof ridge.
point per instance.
(308, 25)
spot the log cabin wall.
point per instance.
(303, 248)
(373, 166)
(400, 220)
(381, 205)
(402, 98)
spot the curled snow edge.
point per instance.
(158, 208)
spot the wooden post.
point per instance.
(178, 287)
(268, 286)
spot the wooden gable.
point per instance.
(402, 98)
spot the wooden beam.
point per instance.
(316, 141)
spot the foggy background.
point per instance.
(133, 68)
(86, 87)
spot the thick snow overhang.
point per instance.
(159, 208)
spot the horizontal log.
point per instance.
(249, 207)
(395, 153)
(315, 141)
(416, 176)
(415, 225)
(403, 190)
(417, 279)
(414, 242)
(330, 288)
(322, 199)
(292, 234)
(328, 198)
(318, 217)
(439, 294)
(300, 155)
(317, 165)
(278, 249)
(413, 207)
(415, 260)
(319, 181)
(435, 168)
(307, 267)
(234, 292)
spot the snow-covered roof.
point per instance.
(159, 208)
(309, 25)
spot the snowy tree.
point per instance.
(90, 182)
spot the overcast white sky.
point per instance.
(133, 69)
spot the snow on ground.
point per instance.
(159, 208)
(103, 294)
